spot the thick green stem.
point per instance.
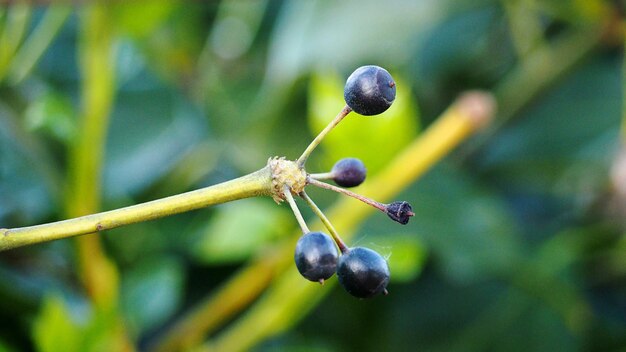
(96, 58)
(254, 184)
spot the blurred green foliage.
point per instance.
(518, 240)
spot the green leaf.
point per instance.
(142, 19)
(563, 144)
(464, 224)
(4, 347)
(52, 114)
(53, 328)
(373, 139)
(152, 126)
(152, 291)
(27, 175)
(102, 333)
(239, 229)
(312, 34)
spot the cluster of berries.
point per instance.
(363, 272)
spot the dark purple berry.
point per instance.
(316, 256)
(400, 212)
(369, 90)
(349, 172)
(363, 272)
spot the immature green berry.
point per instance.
(370, 90)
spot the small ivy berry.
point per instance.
(369, 90)
(363, 272)
(316, 256)
(349, 172)
(400, 212)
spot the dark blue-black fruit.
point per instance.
(400, 212)
(316, 256)
(369, 90)
(363, 272)
(349, 172)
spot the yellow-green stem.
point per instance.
(307, 152)
(295, 210)
(254, 184)
(320, 214)
(322, 176)
(86, 155)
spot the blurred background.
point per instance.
(518, 240)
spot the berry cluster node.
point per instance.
(286, 173)
(363, 272)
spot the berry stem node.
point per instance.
(285, 173)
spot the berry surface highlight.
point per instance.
(316, 256)
(370, 90)
(363, 272)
